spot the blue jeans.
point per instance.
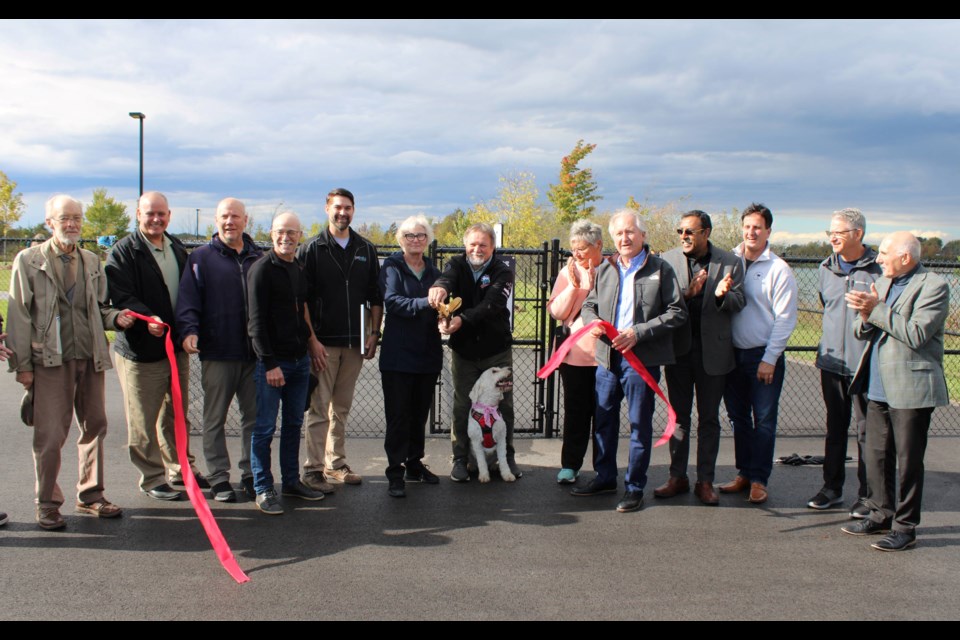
(752, 407)
(612, 386)
(293, 395)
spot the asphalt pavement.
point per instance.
(526, 551)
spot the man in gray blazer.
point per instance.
(711, 280)
(902, 317)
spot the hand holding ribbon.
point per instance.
(628, 355)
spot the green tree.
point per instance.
(449, 231)
(572, 197)
(11, 204)
(105, 217)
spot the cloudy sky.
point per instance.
(805, 116)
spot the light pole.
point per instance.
(198, 224)
(136, 115)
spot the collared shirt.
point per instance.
(169, 267)
(625, 303)
(477, 272)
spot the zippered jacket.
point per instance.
(839, 350)
(486, 319)
(136, 283)
(411, 341)
(277, 294)
(658, 310)
(340, 281)
(212, 303)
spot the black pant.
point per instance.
(839, 401)
(406, 403)
(579, 410)
(901, 435)
(682, 378)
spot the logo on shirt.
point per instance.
(361, 258)
(484, 281)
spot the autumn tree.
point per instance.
(572, 197)
(11, 204)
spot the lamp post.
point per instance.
(136, 115)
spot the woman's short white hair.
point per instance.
(586, 231)
(410, 225)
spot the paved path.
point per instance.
(523, 551)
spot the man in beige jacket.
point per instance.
(56, 320)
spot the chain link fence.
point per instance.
(538, 404)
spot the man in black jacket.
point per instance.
(143, 275)
(480, 335)
(342, 271)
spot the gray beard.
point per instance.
(476, 266)
(63, 240)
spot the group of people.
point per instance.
(286, 331)
(718, 323)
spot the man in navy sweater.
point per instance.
(212, 321)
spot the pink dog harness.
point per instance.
(485, 417)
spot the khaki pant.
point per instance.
(148, 405)
(330, 403)
(58, 393)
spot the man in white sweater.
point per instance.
(760, 334)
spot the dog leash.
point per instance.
(629, 356)
(200, 506)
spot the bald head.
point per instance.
(899, 254)
(231, 220)
(153, 216)
(285, 233)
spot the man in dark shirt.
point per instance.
(279, 325)
(711, 280)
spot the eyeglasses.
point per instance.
(290, 233)
(414, 236)
(688, 232)
(837, 234)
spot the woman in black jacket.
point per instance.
(411, 354)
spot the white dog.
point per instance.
(485, 425)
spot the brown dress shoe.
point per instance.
(758, 493)
(49, 518)
(736, 485)
(673, 486)
(704, 491)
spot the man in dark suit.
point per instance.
(712, 283)
(902, 317)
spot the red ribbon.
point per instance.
(217, 541)
(630, 357)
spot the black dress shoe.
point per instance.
(163, 492)
(865, 527)
(593, 488)
(896, 541)
(631, 501)
(397, 488)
